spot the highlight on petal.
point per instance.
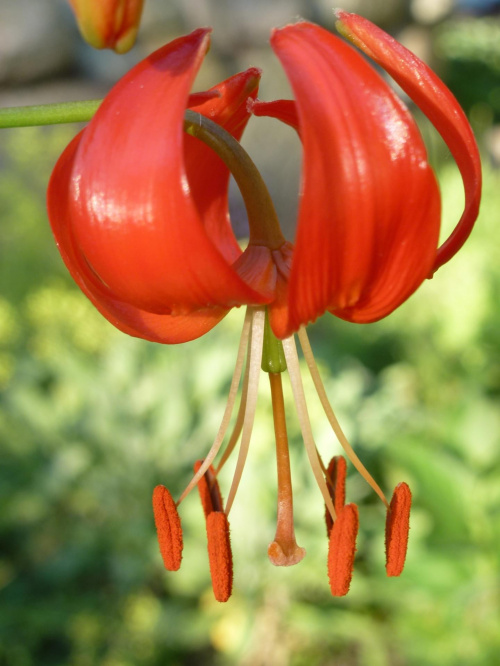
(127, 318)
(397, 529)
(132, 211)
(220, 556)
(437, 103)
(140, 212)
(342, 549)
(335, 478)
(108, 24)
(369, 214)
(168, 527)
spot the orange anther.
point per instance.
(397, 527)
(342, 549)
(209, 490)
(219, 555)
(168, 527)
(335, 479)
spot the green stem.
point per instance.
(273, 356)
(49, 114)
(262, 218)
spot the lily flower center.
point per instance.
(262, 350)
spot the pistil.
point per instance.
(283, 551)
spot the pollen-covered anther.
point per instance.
(397, 528)
(168, 527)
(219, 546)
(342, 549)
(208, 488)
(335, 478)
(219, 555)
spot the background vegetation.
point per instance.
(91, 421)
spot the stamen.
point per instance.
(283, 551)
(330, 415)
(254, 361)
(292, 361)
(219, 555)
(238, 426)
(233, 389)
(335, 478)
(168, 527)
(396, 530)
(342, 549)
(208, 487)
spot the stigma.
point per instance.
(259, 350)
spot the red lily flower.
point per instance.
(108, 24)
(139, 211)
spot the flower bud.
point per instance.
(108, 24)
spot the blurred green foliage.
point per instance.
(92, 420)
(471, 51)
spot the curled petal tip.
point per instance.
(436, 101)
(203, 35)
(277, 32)
(254, 75)
(340, 16)
(206, 30)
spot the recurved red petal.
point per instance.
(281, 109)
(370, 207)
(129, 319)
(130, 205)
(438, 104)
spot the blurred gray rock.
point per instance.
(36, 40)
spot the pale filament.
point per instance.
(254, 362)
(330, 415)
(239, 418)
(292, 361)
(233, 390)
